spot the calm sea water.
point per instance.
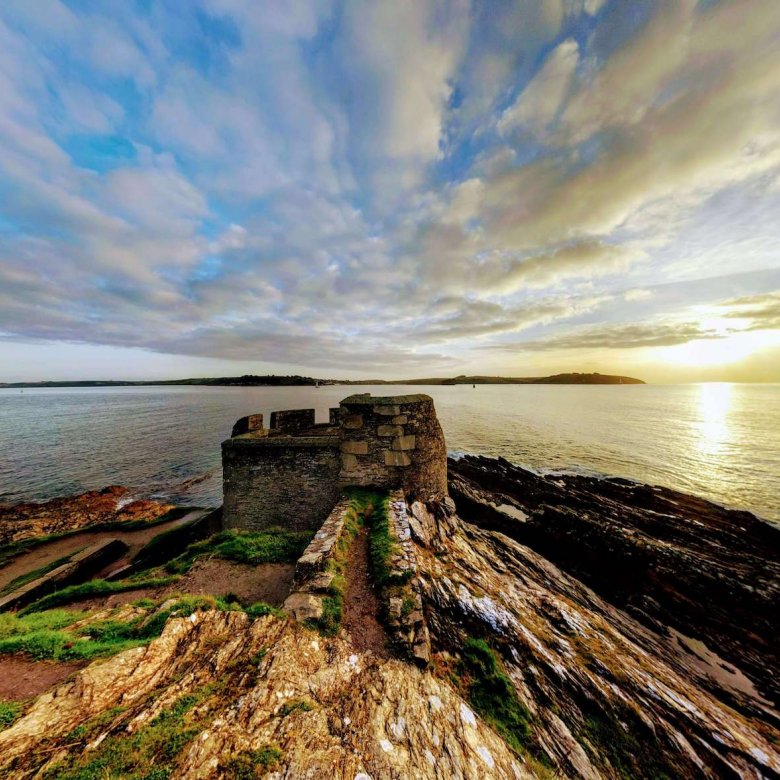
(721, 441)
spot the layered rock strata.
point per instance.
(671, 560)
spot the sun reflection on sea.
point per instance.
(715, 401)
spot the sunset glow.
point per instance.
(389, 189)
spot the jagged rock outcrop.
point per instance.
(668, 558)
(327, 710)
(70, 513)
(610, 681)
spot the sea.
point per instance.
(719, 441)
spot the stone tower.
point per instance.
(291, 474)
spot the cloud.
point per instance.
(539, 103)
(336, 182)
(640, 335)
(761, 312)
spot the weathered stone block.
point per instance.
(355, 447)
(349, 462)
(353, 421)
(292, 420)
(400, 419)
(253, 423)
(404, 443)
(319, 583)
(397, 458)
(387, 411)
(389, 430)
(303, 606)
(395, 606)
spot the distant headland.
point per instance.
(272, 380)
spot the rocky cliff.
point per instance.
(577, 629)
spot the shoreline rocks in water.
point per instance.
(668, 558)
(112, 504)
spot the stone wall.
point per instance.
(313, 574)
(291, 474)
(393, 442)
(284, 481)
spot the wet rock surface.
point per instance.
(667, 558)
(111, 504)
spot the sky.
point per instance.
(388, 189)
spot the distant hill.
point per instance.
(272, 380)
(557, 379)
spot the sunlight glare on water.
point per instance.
(714, 408)
(720, 441)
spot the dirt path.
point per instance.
(22, 678)
(361, 604)
(46, 553)
(269, 582)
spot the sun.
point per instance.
(723, 351)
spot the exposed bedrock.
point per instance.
(606, 696)
(670, 559)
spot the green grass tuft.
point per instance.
(47, 635)
(251, 764)
(261, 609)
(626, 743)
(272, 546)
(491, 693)
(9, 712)
(151, 753)
(295, 705)
(93, 588)
(382, 546)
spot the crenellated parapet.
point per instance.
(292, 473)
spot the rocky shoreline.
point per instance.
(112, 504)
(671, 560)
(621, 630)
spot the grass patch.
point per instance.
(151, 753)
(295, 705)
(382, 546)
(628, 746)
(361, 505)
(9, 712)
(480, 674)
(272, 546)
(94, 588)
(47, 635)
(332, 613)
(251, 764)
(261, 609)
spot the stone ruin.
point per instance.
(291, 474)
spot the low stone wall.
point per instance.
(312, 578)
(288, 482)
(79, 568)
(405, 618)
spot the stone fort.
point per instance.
(291, 474)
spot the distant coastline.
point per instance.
(272, 380)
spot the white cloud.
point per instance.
(539, 103)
